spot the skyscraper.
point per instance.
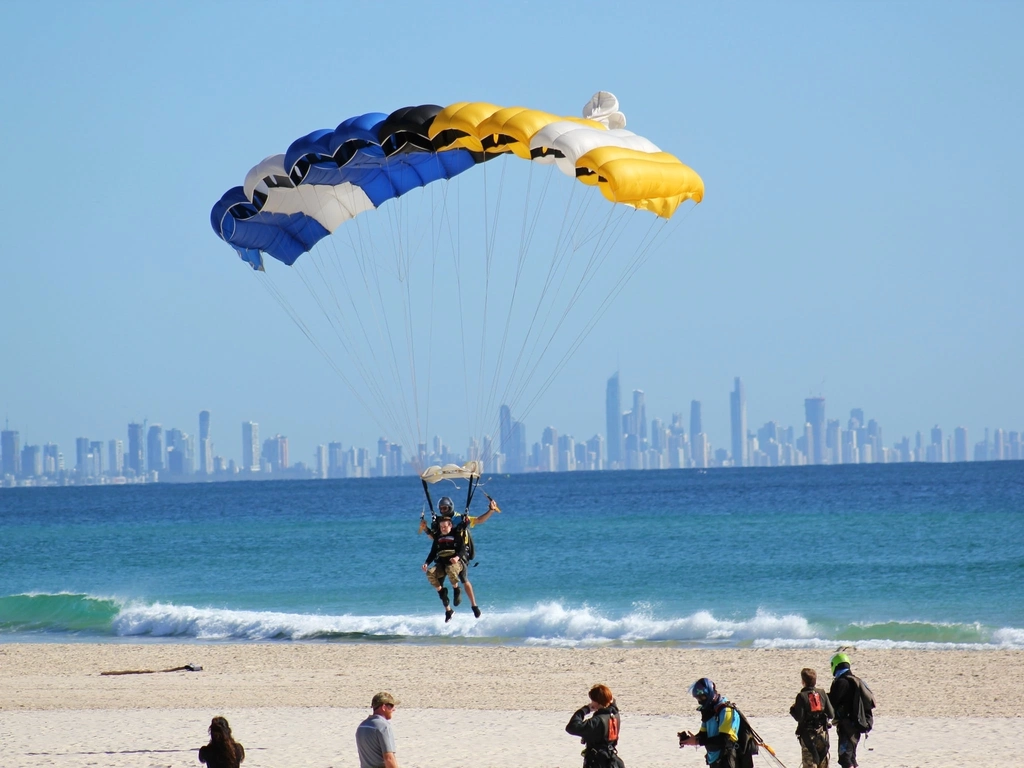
(115, 451)
(960, 444)
(10, 452)
(738, 408)
(135, 449)
(814, 409)
(82, 466)
(250, 446)
(613, 421)
(155, 448)
(205, 444)
(696, 422)
(640, 417)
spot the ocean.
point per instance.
(876, 556)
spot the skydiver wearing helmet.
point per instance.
(719, 730)
(852, 707)
(461, 529)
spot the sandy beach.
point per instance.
(298, 705)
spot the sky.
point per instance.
(860, 236)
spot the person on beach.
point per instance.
(597, 725)
(853, 702)
(813, 714)
(375, 741)
(222, 751)
(719, 730)
(447, 554)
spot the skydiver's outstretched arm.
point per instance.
(491, 509)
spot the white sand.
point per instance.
(298, 705)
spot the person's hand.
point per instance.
(455, 558)
(687, 739)
(493, 507)
(594, 706)
(424, 567)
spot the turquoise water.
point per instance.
(881, 556)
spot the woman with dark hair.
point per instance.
(597, 725)
(222, 751)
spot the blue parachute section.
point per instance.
(325, 178)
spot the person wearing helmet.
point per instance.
(466, 521)
(719, 730)
(813, 714)
(845, 696)
(597, 724)
(447, 554)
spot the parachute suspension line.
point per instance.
(490, 234)
(527, 232)
(568, 226)
(394, 220)
(375, 390)
(641, 256)
(367, 266)
(348, 337)
(455, 239)
(290, 311)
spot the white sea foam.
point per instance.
(544, 624)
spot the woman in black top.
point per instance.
(222, 751)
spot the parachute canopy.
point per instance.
(291, 201)
(448, 261)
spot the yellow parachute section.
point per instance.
(627, 168)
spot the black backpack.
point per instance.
(864, 705)
(746, 740)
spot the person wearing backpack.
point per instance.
(597, 723)
(813, 713)
(724, 732)
(853, 703)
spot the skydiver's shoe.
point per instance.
(458, 596)
(443, 594)
(448, 613)
(476, 611)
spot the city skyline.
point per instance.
(634, 443)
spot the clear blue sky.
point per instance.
(860, 238)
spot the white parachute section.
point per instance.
(469, 471)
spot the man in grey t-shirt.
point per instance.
(374, 739)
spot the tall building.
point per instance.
(696, 422)
(250, 446)
(52, 460)
(960, 444)
(321, 462)
(814, 410)
(96, 458)
(10, 453)
(205, 444)
(738, 408)
(640, 417)
(613, 421)
(335, 460)
(82, 464)
(115, 457)
(32, 461)
(155, 448)
(135, 449)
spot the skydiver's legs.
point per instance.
(436, 576)
(464, 576)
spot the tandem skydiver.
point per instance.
(461, 529)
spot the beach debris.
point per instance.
(186, 668)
